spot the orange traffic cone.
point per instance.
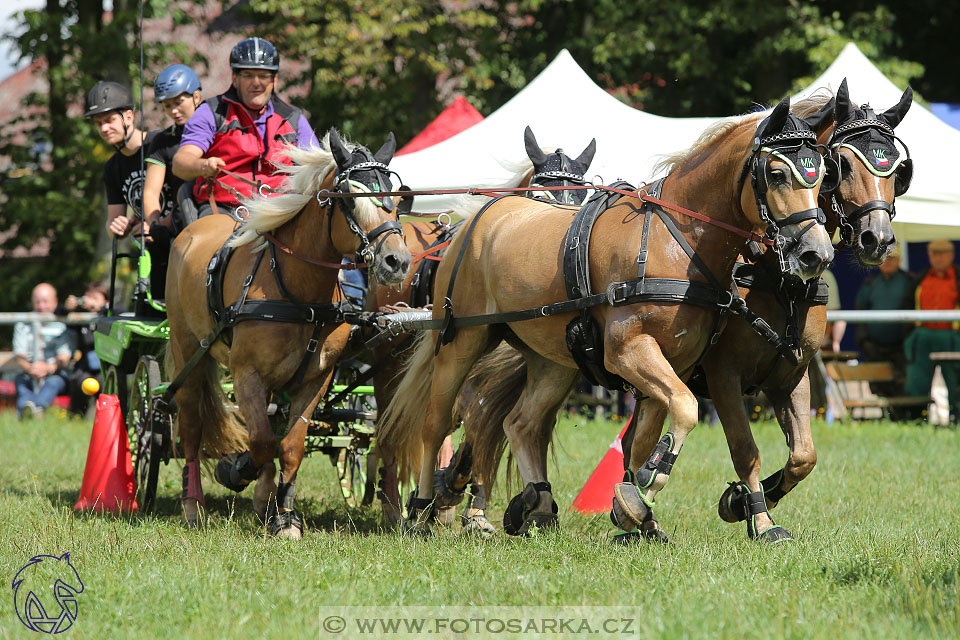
(597, 494)
(108, 483)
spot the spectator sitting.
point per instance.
(834, 331)
(44, 356)
(883, 342)
(94, 300)
(936, 288)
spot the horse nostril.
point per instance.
(391, 261)
(868, 242)
(811, 260)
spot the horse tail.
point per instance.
(491, 391)
(400, 423)
(222, 430)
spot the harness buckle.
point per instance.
(617, 293)
(312, 345)
(261, 188)
(323, 198)
(728, 303)
(248, 281)
(312, 314)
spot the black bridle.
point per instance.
(560, 171)
(379, 176)
(756, 167)
(902, 171)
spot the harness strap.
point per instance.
(446, 328)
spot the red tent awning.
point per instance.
(459, 116)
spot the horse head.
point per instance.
(872, 173)
(557, 169)
(785, 170)
(370, 226)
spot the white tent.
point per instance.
(565, 109)
(931, 208)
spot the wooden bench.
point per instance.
(853, 383)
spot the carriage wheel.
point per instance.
(352, 472)
(147, 431)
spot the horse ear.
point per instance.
(585, 158)
(823, 118)
(777, 119)
(895, 114)
(341, 154)
(385, 153)
(844, 111)
(534, 152)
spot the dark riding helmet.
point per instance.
(107, 96)
(174, 80)
(254, 53)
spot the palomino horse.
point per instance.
(511, 259)
(544, 169)
(740, 361)
(862, 207)
(292, 331)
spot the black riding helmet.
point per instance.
(107, 96)
(254, 53)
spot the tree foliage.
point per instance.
(369, 67)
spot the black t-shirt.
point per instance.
(161, 152)
(123, 179)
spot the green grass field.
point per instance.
(877, 551)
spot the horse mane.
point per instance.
(310, 168)
(812, 103)
(710, 137)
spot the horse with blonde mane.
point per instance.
(862, 206)
(652, 329)
(741, 363)
(275, 324)
(543, 168)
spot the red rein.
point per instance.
(473, 191)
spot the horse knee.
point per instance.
(801, 463)
(263, 444)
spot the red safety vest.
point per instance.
(238, 143)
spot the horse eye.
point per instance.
(845, 169)
(778, 176)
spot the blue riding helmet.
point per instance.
(174, 80)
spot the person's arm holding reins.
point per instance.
(190, 164)
(153, 186)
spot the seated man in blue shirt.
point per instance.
(43, 356)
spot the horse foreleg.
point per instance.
(742, 500)
(529, 427)
(641, 363)
(190, 434)
(642, 440)
(451, 367)
(793, 414)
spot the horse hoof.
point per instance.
(413, 528)
(443, 495)
(629, 506)
(287, 524)
(539, 523)
(446, 516)
(733, 503)
(774, 535)
(192, 513)
(478, 525)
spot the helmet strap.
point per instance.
(127, 133)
